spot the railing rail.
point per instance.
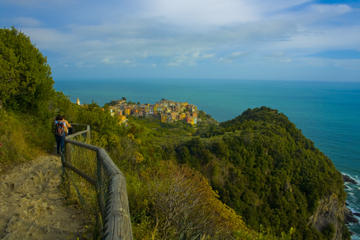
(113, 201)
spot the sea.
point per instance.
(328, 113)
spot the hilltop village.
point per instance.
(166, 111)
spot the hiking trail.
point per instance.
(32, 205)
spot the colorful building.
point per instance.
(174, 116)
(165, 110)
(182, 116)
(163, 118)
(127, 111)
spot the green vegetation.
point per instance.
(264, 168)
(26, 82)
(167, 201)
(25, 93)
(254, 177)
(13, 145)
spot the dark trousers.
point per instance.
(70, 131)
(60, 142)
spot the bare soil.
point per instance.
(32, 205)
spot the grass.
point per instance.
(22, 138)
(18, 143)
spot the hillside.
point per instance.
(264, 168)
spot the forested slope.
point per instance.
(264, 168)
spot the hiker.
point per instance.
(59, 134)
(68, 127)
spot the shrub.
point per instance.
(26, 82)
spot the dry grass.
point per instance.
(22, 138)
(14, 148)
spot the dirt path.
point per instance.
(33, 207)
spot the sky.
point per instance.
(193, 39)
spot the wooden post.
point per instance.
(100, 186)
(67, 159)
(68, 148)
(118, 222)
(88, 135)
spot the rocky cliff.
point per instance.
(329, 218)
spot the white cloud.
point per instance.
(239, 54)
(202, 12)
(229, 58)
(319, 39)
(127, 61)
(190, 58)
(224, 60)
(278, 57)
(106, 60)
(209, 55)
(214, 12)
(51, 39)
(180, 60)
(315, 13)
(332, 9)
(286, 60)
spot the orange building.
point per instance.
(189, 119)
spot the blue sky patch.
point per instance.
(339, 54)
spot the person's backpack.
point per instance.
(59, 128)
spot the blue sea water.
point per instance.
(328, 113)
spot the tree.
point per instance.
(25, 77)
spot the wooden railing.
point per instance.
(112, 197)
